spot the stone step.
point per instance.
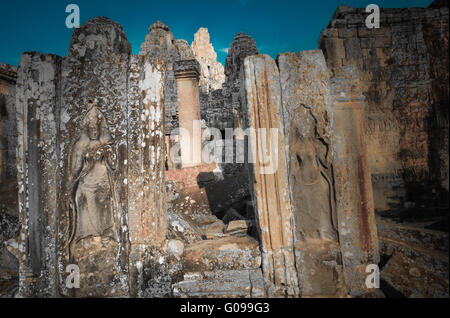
(435, 261)
(413, 280)
(414, 234)
(222, 254)
(221, 284)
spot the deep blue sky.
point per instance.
(276, 25)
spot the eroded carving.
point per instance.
(310, 174)
(93, 162)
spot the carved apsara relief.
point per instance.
(92, 183)
(311, 179)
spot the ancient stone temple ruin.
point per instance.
(166, 174)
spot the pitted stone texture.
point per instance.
(54, 95)
(147, 202)
(98, 36)
(153, 271)
(99, 275)
(212, 72)
(38, 111)
(9, 230)
(217, 109)
(146, 152)
(183, 66)
(184, 50)
(160, 43)
(95, 74)
(9, 227)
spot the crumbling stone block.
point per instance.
(413, 280)
(75, 111)
(227, 253)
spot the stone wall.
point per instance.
(311, 189)
(269, 179)
(8, 130)
(222, 108)
(9, 223)
(402, 71)
(160, 43)
(90, 165)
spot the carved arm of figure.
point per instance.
(76, 167)
(110, 156)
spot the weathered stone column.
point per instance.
(94, 159)
(187, 75)
(147, 219)
(318, 205)
(147, 212)
(355, 205)
(262, 106)
(308, 120)
(38, 155)
(91, 166)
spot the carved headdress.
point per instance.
(94, 115)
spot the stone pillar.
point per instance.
(187, 76)
(262, 107)
(147, 218)
(147, 212)
(308, 120)
(38, 159)
(94, 125)
(317, 207)
(91, 166)
(355, 203)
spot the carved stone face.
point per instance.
(93, 129)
